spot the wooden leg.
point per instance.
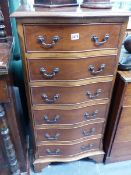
(39, 166)
(8, 144)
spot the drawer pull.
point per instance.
(47, 75)
(42, 41)
(95, 39)
(50, 101)
(88, 116)
(54, 120)
(55, 137)
(53, 152)
(95, 72)
(87, 147)
(90, 132)
(91, 96)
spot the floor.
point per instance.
(87, 167)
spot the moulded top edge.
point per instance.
(31, 11)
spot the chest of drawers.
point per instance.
(118, 140)
(70, 61)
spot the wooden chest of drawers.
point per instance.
(70, 61)
(118, 138)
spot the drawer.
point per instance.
(68, 150)
(128, 90)
(127, 97)
(67, 117)
(46, 38)
(125, 118)
(123, 133)
(70, 95)
(121, 149)
(68, 134)
(4, 95)
(54, 69)
(127, 101)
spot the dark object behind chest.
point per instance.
(55, 3)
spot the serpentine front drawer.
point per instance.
(71, 69)
(70, 95)
(70, 117)
(62, 151)
(69, 133)
(46, 38)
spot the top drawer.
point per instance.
(45, 38)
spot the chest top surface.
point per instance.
(125, 75)
(31, 11)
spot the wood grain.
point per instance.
(4, 94)
(66, 43)
(72, 55)
(70, 117)
(70, 95)
(66, 135)
(71, 69)
(68, 150)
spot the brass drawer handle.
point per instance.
(89, 133)
(92, 96)
(95, 39)
(87, 147)
(55, 137)
(54, 120)
(53, 152)
(47, 75)
(95, 72)
(88, 116)
(42, 41)
(50, 101)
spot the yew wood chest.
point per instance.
(70, 58)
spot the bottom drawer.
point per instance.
(68, 150)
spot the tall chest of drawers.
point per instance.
(70, 59)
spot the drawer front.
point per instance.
(123, 133)
(121, 149)
(4, 96)
(65, 117)
(68, 150)
(127, 98)
(127, 101)
(53, 134)
(45, 69)
(125, 118)
(45, 38)
(128, 90)
(70, 95)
